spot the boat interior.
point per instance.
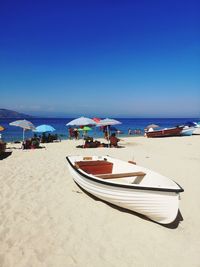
(103, 169)
(122, 172)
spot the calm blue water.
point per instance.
(13, 133)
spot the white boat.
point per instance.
(195, 125)
(197, 128)
(187, 131)
(128, 186)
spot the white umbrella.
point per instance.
(108, 122)
(26, 125)
(81, 122)
(152, 126)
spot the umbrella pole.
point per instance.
(108, 135)
(23, 135)
(23, 140)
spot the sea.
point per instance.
(137, 126)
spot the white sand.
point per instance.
(47, 220)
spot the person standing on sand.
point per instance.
(76, 134)
(71, 133)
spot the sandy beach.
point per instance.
(47, 220)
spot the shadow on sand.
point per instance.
(172, 225)
(5, 155)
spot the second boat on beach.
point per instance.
(128, 186)
(166, 132)
(187, 131)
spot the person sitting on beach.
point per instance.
(44, 138)
(49, 139)
(26, 144)
(114, 140)
(35, 142)
(90, 143)
(2, 147)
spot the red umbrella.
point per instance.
(96, 120)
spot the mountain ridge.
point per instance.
(7, 113)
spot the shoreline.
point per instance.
(15, 133)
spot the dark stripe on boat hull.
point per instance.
(126, 186)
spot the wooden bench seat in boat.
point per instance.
(120, 175)
(95, 167)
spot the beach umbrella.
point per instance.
(152, 126)
(85, 128)
(44, 128)
(82, 121)
(24, 124)
(97, 120)
(108, 122)
(1, 129)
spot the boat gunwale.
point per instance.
(130, 186)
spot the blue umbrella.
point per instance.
(44, 128)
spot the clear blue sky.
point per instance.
(101, 58)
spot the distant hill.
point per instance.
(6, 114)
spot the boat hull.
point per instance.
(196, 130)
(159, 206)
(165, 132)
(187, 131)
